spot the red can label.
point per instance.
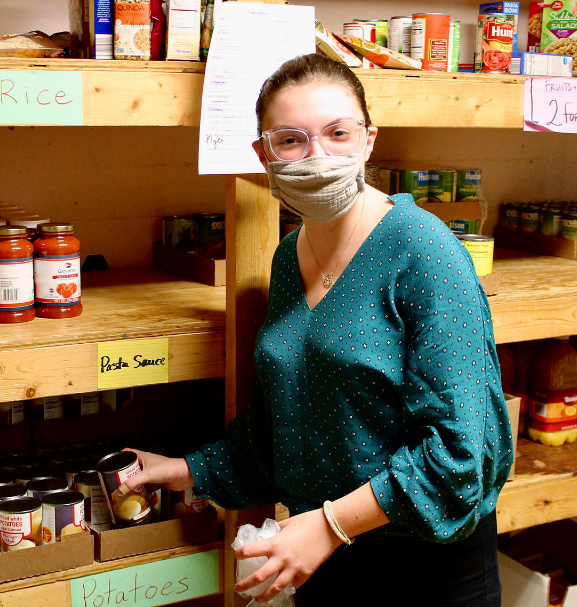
(494, 43)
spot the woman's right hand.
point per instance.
(170, 472)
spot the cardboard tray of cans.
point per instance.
(75, 550)
(513, 408)
(491, 283)
(195, 267)
(535, 243)
(141, 539)
(445, 211)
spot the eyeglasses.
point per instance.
(337, 139)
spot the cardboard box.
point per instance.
(196, 267)
(541, 64)
(535, 243)
(141, 539)
(513, 408)
(523, 587)
(491, 283)
(73, 551)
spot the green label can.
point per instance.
(210, 235)
(481, 250)
(454, 46)
(178, 231)
(463, 226)
(442, 186)
(415, 183)
(510, 216)
(569, 225)
(468, 184)
(551, 220)
(529, 219)
(382, 33)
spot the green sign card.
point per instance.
(150, 585)
(41, 97)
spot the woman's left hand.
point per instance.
(303, 544)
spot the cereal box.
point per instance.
(183, 32)
(535, 26)
(559, 32)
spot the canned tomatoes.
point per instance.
(95, 506)
(131, 508)
(41, 487)
(481, 250)
(400, 35)
(11, 492)
(20, 524)
(494, 43)
(62, 514)
(430, 40)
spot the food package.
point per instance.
(379, 55)
(138, 29)
(329, 46)
(535, 26)
(559, 31)
(30, 45)
(183, 30)
(91, 29)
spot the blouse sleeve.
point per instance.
(237, 471)
(457, 447)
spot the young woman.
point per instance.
(378, 412)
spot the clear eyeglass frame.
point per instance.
(266, 136)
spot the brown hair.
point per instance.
(303, 70)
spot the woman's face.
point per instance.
(313, 107)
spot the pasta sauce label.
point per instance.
(57, 280)
(494, 43)
(16, 284)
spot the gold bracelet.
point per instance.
(334, 525)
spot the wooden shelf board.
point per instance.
(47, 357)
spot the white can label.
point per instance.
(90, 403)
(15, 527)
(57, 281)
(17, 411)
(99, 507)
(418, 38)
(53, 407)
(16, 284)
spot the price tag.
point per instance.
(132, 362)
(551, 105)
(153, 584)
(38, 97)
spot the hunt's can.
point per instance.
(468, 184)
(494, 43)
(454, 46)
(463, 226)
(41, 487)
(552, 220)
(132, 507)
(62, 514)
(481, 250)
(95, 506)
(11, 492)
(510, 216)
(20, 524)
(415, 183)
(529, 218)
(400, 35)
(569, 225)
(442, 186)
(186, 503)
(382, 32)
(430, 40)
(210, 235)
(22, 476)
(178, 232)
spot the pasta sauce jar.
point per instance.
(16, 275)
(57, 271)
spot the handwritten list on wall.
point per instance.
(250, 41)
(551, 105)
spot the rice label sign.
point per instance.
(551, 105)
(41, 97)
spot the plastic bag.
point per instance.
(247, 534)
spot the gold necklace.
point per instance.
(328, 279)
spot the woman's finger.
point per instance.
(263, 548)
(284, 578)
(270, 568)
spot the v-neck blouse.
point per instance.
(391, 379)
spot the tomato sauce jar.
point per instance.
(57, 271)
(16, 275)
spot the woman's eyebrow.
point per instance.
(299, 128)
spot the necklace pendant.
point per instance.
(328, 281)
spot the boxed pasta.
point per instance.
(91, 29)
(535, 26)
(559, 31)
(183, 30)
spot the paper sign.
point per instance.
(160, 583)
(132, 362)
(551, 105)
(38, 97)
(250, 41)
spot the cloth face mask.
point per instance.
(320, 188)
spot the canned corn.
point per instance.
(468, 184)
(510, 216)
(569, 225)
(210, 235)
(415, 183)
(529, 218)
(551, 222)
(442, 186)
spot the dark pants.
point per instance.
(385, 572)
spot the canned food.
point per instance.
(178, 231)
(382, 32)
(510, 216)
(481, 250)
(359, 28)
(529, 219)
(73, 467)
(463, 226)
(58, 458)
(569, 225)
(494, 43)
(19, 460)
(78, 405)
(40, 488)
(49, 407)
(62, 514)
(400, 35)
(468, 184)
(108, 401)
(210, 235)
(442, 186)
(186, 503)
(11, 492)
(95, 506)
(454, 46)
(20, 524)
(430, 40)
(415, 183)
(11, 412)
(6, 479)
(133, 507)
(23, 475)
(551, 221)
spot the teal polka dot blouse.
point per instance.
(392, 379)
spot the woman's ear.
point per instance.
(371, 136)
(257, 147)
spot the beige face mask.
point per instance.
(320, 188)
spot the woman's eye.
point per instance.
(340, 133)
(289, 140)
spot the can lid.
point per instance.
(116, 461)
(29, 221)
(56, 227)
(20, 460)
(63, 498)
(87, 478)
(12, 491)
(477, 237)
(47, 484)
(31, 472)
(401, 17)
(21, 505)
(12, 230)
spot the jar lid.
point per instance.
(56, 227)
(13, 230)
(28, 221)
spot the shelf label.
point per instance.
(38, 97)
(132, 362)
(152, 584)
(551, 105)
